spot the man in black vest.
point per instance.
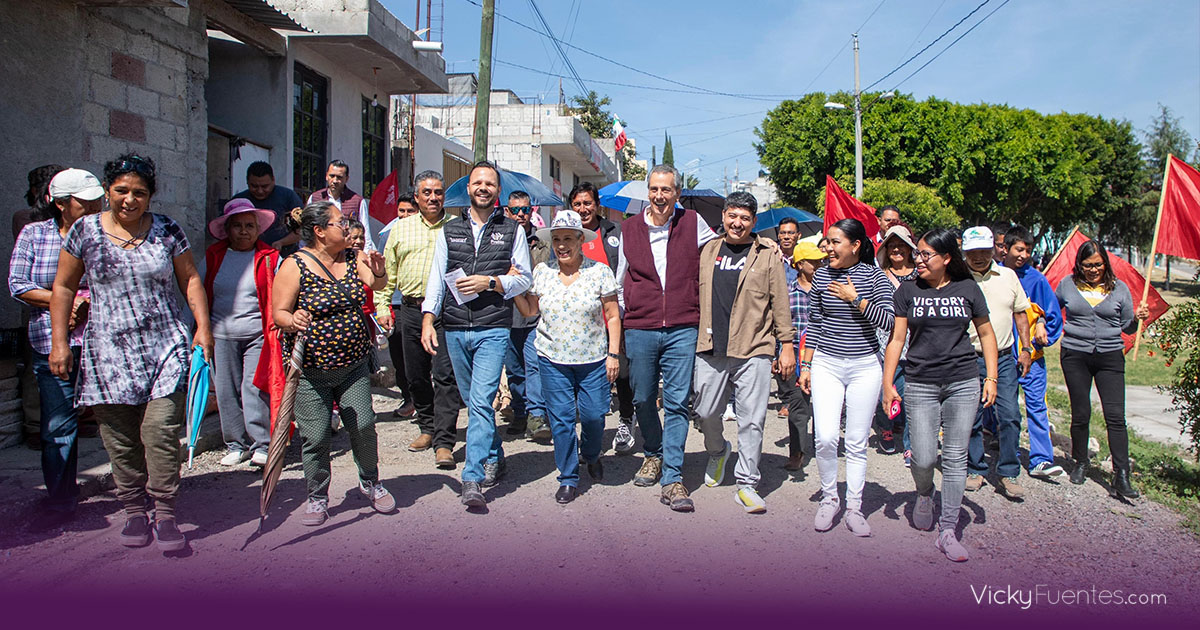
(472, 259)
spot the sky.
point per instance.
(1117, 59)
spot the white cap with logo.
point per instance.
(75, 182)
(978, 237)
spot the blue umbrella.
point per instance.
(707, 203)
(197, 399)
(539, 194)
(769, 219)
(626, 197)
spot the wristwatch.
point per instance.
(856, 301)
(1029, 350)
(492, 283)
(614, 355)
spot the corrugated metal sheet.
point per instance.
(265, 13)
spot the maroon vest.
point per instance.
(647, 306)
(349, 199)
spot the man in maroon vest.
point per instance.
(662, 313)
(349, 202)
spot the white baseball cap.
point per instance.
(76, 182)
(978, 237)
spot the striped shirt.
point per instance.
(836, 327)
(407, 256)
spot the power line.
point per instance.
(548, 32)
(927, 47)
(951, 44)
(877, 7)
(720, 135)
(922, 31)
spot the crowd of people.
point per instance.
(932, 338)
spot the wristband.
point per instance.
(614, 355)
(992, 379)
(1027, 349)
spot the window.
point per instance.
(310, 107)
(555, 169)
(374, 126)
(574, 181)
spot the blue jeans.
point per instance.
(671, 354)
(575, 392)
(521, 363)
(950, 407)
(1034, 385)
(478, 358)
(60, 432)
(1007, 413)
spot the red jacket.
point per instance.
(269, 376)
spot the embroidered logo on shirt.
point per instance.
(497, 239)
(456, 239)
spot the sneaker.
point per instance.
(623, 442)
(676, 496)
(136, 532)
(233, 458)
(649, 473)
(493, 472)
(923, 513)
(974, 482)
(887, 442)
(826, 512)
(714, 473)
(1046, 470)
(908, 459)
(729, 415)
(539, 429)
(259, 458)
(857, 524)
(949, 545)
(335, 420)
(1009, 487)
(472, 496)
(750, 501)
(379, 497)
(317, 512)
(168, 535)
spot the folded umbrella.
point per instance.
(281, 432)
(199, 380)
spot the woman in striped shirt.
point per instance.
(850, 299)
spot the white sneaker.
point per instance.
(729, 415)
(826, 512)
(233, 458)
(857, 523)
(748, 498)
(923, 513)
(1046, 470)
(335, 420)
(623, 442)
(259, 458)
(949, 545)
(714, 473)
(316, 513)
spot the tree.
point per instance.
(920, 206)
(1179, 343)
(690, 181)
(1166, 136)
(630, 170)
(591, 112)
(668, 156)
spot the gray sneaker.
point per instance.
(857, 523)
(949, 545)
(923, 513)
(714, 473)
(317, 512)
(493, 472)
(826, 512)
(623, 442)
(472, 496)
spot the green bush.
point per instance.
(1181, 347)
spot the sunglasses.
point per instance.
(519, 209)
(136, 164)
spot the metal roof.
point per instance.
(264, 12)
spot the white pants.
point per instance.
(854, 383)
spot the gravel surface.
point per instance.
(616, 543)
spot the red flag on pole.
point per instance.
(840, 205)
(383, 200)
(1064, 263)
(1180, 231)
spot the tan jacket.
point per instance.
(761, 314)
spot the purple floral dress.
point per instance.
(135, 348)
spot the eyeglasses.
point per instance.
(920, 255)
(519, 209)
(1092, 266)
(344, 223)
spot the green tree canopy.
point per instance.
(591, 112)
(668, 157)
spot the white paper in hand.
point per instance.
(451, 278)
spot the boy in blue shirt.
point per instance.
(1045, 326)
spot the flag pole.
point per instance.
(1062, 247)
(1162, 198)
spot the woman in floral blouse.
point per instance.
(578, 338)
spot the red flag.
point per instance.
(1179, 229)
(840, 205)
(1064, 264)
(383, 200)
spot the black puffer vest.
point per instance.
(494, 258)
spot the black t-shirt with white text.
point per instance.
(727, 268)
(939, 344)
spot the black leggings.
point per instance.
(1108, 371)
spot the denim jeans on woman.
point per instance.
(853, 383)
(60, 433)
(575, 393)
(478, 358)
(950, 407)
(670, 353)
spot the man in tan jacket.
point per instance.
(744, 319)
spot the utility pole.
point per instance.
(483, 94)
(725, 178)
(858, 147)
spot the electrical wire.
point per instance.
(927, 47)
(951, 44)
